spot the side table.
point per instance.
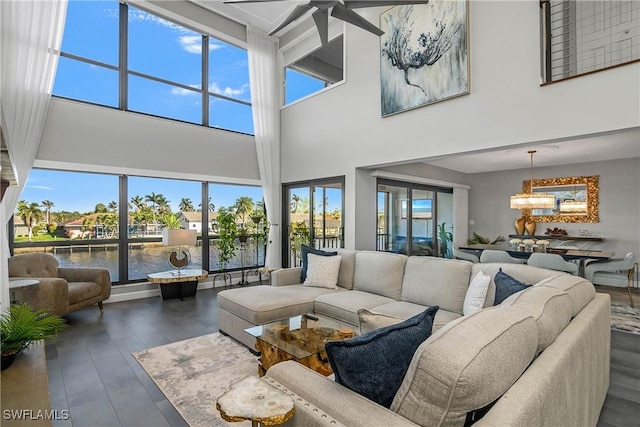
(255, 400)
(16, 283)
(173, 285)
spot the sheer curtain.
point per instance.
(31, 36)
(266, 101)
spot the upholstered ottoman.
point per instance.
(244, 308)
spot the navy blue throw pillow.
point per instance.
(306, 250)
(374, 364)
(506, 286)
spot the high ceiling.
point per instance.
(606, 146)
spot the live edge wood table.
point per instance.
(300, 338)
(178, 283)
(253, 399)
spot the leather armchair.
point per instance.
(61, 290)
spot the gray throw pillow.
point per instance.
(374, 364)
(506, 286)
(304, 252)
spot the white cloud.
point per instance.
(184, 92)
(191, 44)
(228, 91)
(40, 187)
(139, 15)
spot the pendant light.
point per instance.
(532, 200)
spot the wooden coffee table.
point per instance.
(300, 338)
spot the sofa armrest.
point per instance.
(98, 275)
(286, 276)
(338, 402)
(51, 294)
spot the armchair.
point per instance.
(61, 290)
(601, 272)
(552, 262)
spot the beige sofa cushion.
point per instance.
(263, 304)
(580, 290)
(466, 365)
(405, 310)
(345, 305)
(551, 309)
(436, 281)
(34, 264)
(379, 273)
(347, 266)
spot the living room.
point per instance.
(339, 132)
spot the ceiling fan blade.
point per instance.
(354, 4)
(295, 14)
(344, 14)
(321, 18)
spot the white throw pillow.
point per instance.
(322, 271)
(476, 294)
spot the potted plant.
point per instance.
(227, 234)
(21, 326)
(445, 238)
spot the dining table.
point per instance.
(579, 255)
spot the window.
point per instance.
(580, 37)
(313, 216)
(169, 71)
(78, 218)
(414, 219)
(315, 71)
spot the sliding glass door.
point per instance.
(414, 219)
(313, 215)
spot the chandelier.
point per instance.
(532, 200)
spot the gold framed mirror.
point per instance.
(577, 199)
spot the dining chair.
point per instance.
(600, 272)
(552, 262)
(467, 256)
(490, 255)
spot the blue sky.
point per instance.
(161, 49)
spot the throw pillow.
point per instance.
(374, 364)
(370, 321)
(476, 294)
(506, 286)
(322, 271)
(306, 250)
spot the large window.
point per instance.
(580, 37)
(154, 66)
(316, 70)
(79, 218)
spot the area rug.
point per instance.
(193, 373)
(625, 318)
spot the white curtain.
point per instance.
(266, 101)
(31, 36)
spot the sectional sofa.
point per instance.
(539, 358)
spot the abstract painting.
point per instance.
(424, 54)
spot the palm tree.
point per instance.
(186, 205)
(137, 202)
(212, 207)
(113, 206)
(30, 214)
(154, 199)
(243, 207)
(48, 204)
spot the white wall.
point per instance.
(86, 137)
(619, 202)
(341, 129)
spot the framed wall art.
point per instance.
(424, 55)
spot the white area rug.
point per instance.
(193, 373)
(625, 317)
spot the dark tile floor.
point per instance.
(93, 374)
